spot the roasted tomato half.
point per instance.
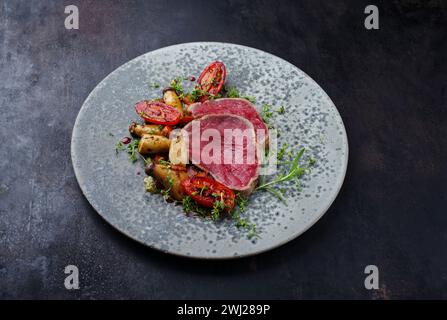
(157, 112)
(212, 78)
(206, 191)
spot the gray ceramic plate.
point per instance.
(114, 186)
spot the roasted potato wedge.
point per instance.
(171, 179)
(171, 98)
(141, 129)
(150, 143)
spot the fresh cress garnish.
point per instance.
(233, 92)
(281, 110)
(266, 113)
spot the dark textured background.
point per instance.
(389, 86)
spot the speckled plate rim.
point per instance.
(276, 245)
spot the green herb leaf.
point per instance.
(250, 98)
(218, 208)
(189, 205)
(132, 149)
(119, 146)
(281, 110)
(213, 97)
(246, 225)
(170, 180)
(253, 232)
(232, 92)
(266, 113)
(277, 193)
(243, 223)
(196, 93)
(295, 172)
(176, 84)
(281, 152)
(241, 202)
(166, 193)
(164, 163)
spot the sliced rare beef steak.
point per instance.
(235, 106)
(225, 147)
